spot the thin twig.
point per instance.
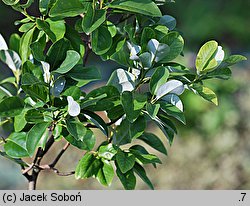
(60, 155)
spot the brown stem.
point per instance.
(59, 155)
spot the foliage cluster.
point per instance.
(45, 98)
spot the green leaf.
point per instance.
(36, 91)
(19, 121)
(11, 58)
(34, 116)
(54, 29)
(74, 92)
(16, 145)
(11, 107)
(158, 78)
(70, 61)
(105, 174)
(57, 53)
(11, 2)
(175, 42)
(139, 170)
(147, 34)
(84, 74)
(170, 87)
(125, 161)
(168, 21)
(66, 8)
(205, 55)
(29, 79)
(44, 6)
(38, 47)
(137, 127)
(233, 59)
(167, 127)
(173, 111)
(14, 42)
(152, 109)
(81, 133)
(115, 112)
(75, 40)
(3, 44)
(97, 121)
(101, 99)
(88, 166)
(153, 141)
(121, 135)
(107, 151)
(26, 27)
(16, 160)
(145, 7)
(122, 80)
(206, 93)
(37, 136)
(133, 104)
(101, 40)
(93, 19)
(25, 43)
(219, 73)
(158, 50)
(145, 158)
(128, 179)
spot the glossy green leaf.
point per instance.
(3, 44)
(97, 121)
(122, 80)
(172, 87)
(11, 2)
(101, 40)
(84, 74)
(26, 27)
(34, 116)
(11, 107)
(16, 160)
(121, 135)
(175, 42)
(145, 158)
(168, 21)
(57, 27)
(152, 109)
(14, 42)
(44, 6)
(75, 40)
(38, 47)
(158, 78)
(128, 179)
(158, 50)
(25, 43)
(16, 145)
(139, 170)
(204, 57)
(81, 133)
(107, 151)
(88, 166)
(133, 104)
(219, 73)
(105, 174)
(206, 93)
(66, 8)
(231, 60)
(19, 121)
(125, 161)
(173, 111)
(137, 128)
(74, 92)
(115, 112)
(145, 7)
(70, 61)
(11, 58)
(154, 142)
(57, 53)
(29, 79)
(93, 19)
(37, 91)
(37, 136)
